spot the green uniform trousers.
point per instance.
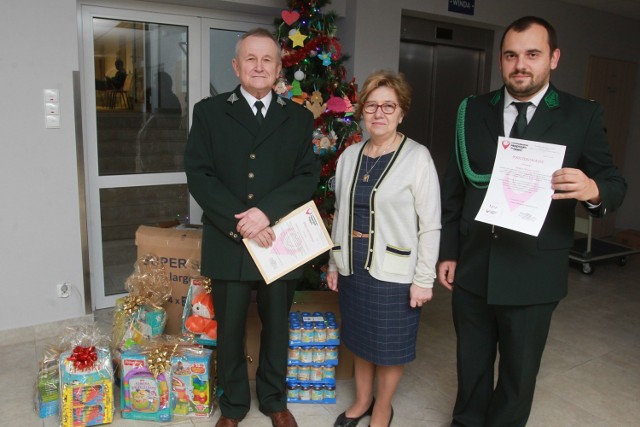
(231, 302)
(519, 333)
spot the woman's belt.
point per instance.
(358, 234)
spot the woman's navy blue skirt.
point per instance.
(378, 324)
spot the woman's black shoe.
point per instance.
(344, 421)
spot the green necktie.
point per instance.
(521, 121)
(259, 116)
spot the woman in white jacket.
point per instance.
(386, 232)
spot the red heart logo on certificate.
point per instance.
(290, 16)
(505, 144)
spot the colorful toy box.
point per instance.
(198, 317)
(86, 387)
(191, 387)
(48, 391)
(143, 396)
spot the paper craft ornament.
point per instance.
(298, 38)
(315, 104)
(290, 16)
(326, 58)
(336, 104)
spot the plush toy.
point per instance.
(201, 319)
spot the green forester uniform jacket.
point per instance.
(505, 266)
(233, 164)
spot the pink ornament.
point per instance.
(348, 105)
(336, 104)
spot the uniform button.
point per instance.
(370, 250)
(235, 236)
(250, 196)
(252, 156)
(495, 236)
(251, 175)
(231, 233)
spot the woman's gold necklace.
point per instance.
(367, 169)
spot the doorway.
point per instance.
(611, 82)
(443, 63)
(143, 72)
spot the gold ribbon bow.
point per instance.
(131, 304)
(159, 360)
(206, 284)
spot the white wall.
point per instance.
(40, 242)
(39, 210)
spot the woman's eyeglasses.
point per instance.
(372, 107)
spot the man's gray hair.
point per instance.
(259, 32)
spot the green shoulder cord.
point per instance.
(462, 157)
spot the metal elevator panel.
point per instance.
(441, 72)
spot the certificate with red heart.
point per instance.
(519, 192)
(300, 237)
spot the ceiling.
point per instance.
(626, 8)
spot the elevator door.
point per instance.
(441, 74)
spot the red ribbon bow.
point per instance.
(83, 358)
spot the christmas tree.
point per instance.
(313, 75)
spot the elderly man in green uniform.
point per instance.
(507, 284)
(249, 161)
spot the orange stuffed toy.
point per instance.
(201, 320)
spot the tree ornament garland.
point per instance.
(313, 75)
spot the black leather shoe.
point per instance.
(344, 421)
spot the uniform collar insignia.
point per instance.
(281, 101)
(551, 99)
(233, 98)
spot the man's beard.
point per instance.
(524, 90)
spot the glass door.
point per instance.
(140, 69)
(219, 39)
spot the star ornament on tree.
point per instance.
(297, 38)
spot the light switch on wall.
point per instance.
(52, 108)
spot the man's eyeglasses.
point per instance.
(372, 107)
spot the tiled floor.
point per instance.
(590, 372)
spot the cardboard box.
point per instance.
(175, 247)
(310, 301)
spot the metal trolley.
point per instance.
(587, 250)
